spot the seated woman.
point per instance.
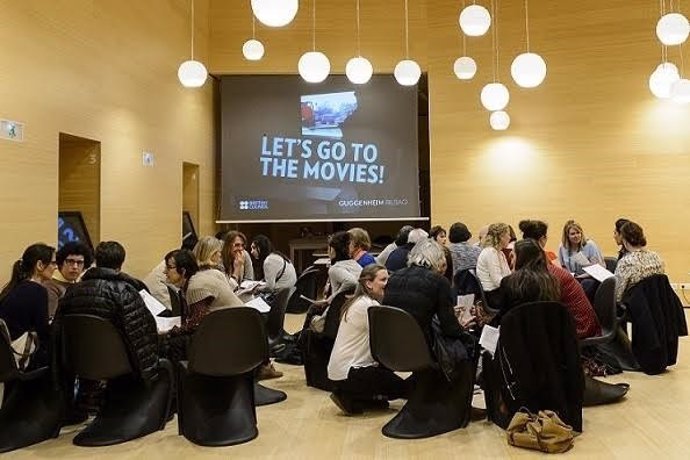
(639, 263)
(492, 264)
(208, 252)
(618, 238)
(24, 299)
(360, 243)
(360, 383)
(463, 254)
(438, 234)
(236, 260)
(537, 230)
(278, 271)
(572, 294)
(421, 290)
(400, 239)
(531, 280)
(576, 252)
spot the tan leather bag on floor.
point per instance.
(544, 431)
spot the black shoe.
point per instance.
(346, 405)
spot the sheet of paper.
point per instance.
(259, 304)
(165, 324)
(598, 272)
(489, 338)
(250, 284)
(465, 300)
(154, 306)
(580, 259)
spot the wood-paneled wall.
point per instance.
(591, 143)
(106, 71)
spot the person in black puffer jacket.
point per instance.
(108, 293)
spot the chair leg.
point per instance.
(132, 409)
(217, 411)
(31, 413)
(435, 406)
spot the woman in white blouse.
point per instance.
(360, 383)
(492, 265)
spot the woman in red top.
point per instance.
(572, 294)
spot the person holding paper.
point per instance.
(360, 382)
(639, 263)
(577, 252)
(278, 271)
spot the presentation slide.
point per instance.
(293, 151)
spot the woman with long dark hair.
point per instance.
(638, 263)
(531, 281)
(360, 382)
(24, 299)
(278, 271)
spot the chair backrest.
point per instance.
(306, 286)
(611, 263)
(605, 304)
(230, 341)
(93, 348)
(175, 305)
(332, 324)
(397, 341)
(8, 364)
(276, 317)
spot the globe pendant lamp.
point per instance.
(528, 69)
(673, 29)
(358, 69)
(465, 68)
(499, 120)
(407, 71)
(191, 73)
(474, 20)
(314, 66)
(495, 96)
(680, 91)
(275, 13)
(661, 80)
(253, 49)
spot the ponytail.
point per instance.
(19, 274)
(23, 268)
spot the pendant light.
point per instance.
(192, 74)
(673, 29)
(680, 89)
(275, 13)
(666, 73)
(358, 69)
(464, 67)
(495, 96)
(253, 49)
(474, 20)
(314, 66)
(407, 71)
(528, 69)
(499, 120)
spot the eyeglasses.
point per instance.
(74, 262)
(170, 267)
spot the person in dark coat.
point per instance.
(398, 258)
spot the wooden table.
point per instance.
(298, 246)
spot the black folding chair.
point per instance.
(307, 286)
(94, 349)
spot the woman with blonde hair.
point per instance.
(576, 251)
(360, 382)
(208, 252)
(492, 264)
(360, 243)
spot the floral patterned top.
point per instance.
(634, 267)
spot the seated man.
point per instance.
(107, 292)
(72, 259)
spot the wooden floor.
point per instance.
(653, 422)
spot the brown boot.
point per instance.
(267, 372)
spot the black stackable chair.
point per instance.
(611, 263)
(94, 349)
(435, 406)
(30, 411)
(275, 320)
(317, 347)
(307, 285)
(467, 282)
(216, 392)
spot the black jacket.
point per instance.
(657, 321)
(539, 361)
(398, 258)
(114, 296)
(423, 294)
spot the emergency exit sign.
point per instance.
(12, 130)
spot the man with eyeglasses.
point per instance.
(72, 259)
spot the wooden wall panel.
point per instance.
(104, 70)
(591, 143)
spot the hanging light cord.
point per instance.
(358, 47)
(313, 25)
(663, 47)
(495, 36)
(253, 26)
(192, 30)
(527, 22)
(464, 39)
(407, 33)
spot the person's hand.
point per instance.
(468, 323)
